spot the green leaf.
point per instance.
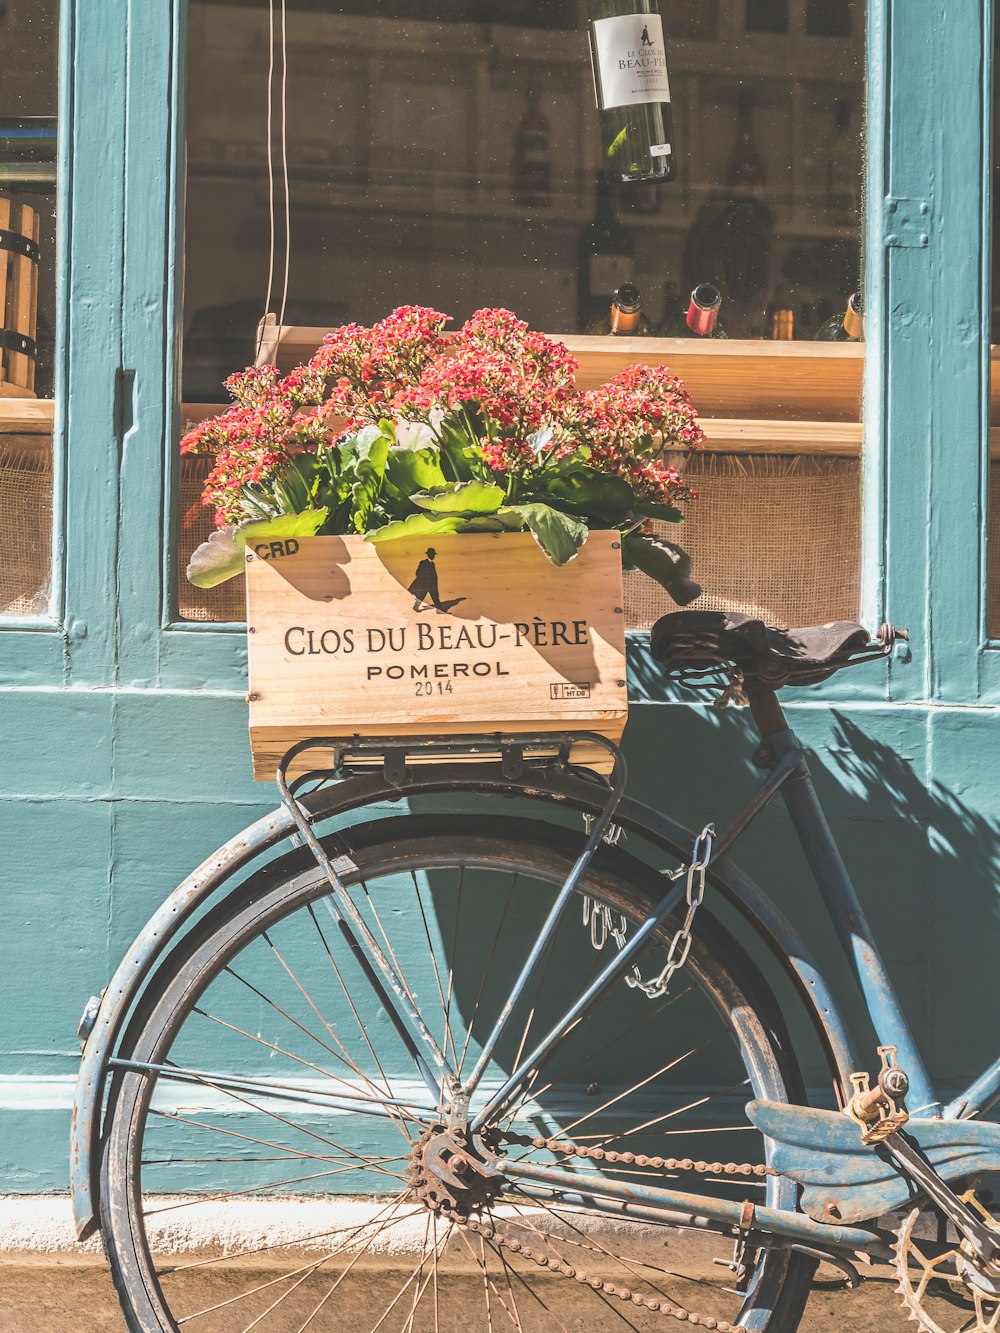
(666, 562)
(465, 497)
(294, 488)
(459, 451)
(409, 470)
(559, 535)
(417, 525)
(584, 490)
(483, 523)
(667, 513)
(371, 452)
(221, 557)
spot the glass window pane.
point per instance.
(460, 162)
(28, 98)
(993, 531)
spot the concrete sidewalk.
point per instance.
(63, 1294)
(49, 1284)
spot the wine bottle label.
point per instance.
(630, 61)
(608, 272)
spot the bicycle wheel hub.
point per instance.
(453, 1171)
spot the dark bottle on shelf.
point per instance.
(700, 320)
(745, 173)
(632, 88)
(624, 318)
(605, 255)
(847, 326)
(532, 165)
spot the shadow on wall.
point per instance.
(917, 819)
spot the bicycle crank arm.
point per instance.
(916, 1166)
(653, 1203)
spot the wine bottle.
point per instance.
(625, 318)
(632, 88)
(700, 320)
(846, 327)
(605, 255)
(783, 324)
(745, 173)
(532, 167)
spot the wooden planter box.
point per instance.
(338, 648)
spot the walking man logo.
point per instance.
(425, 586)
(644, 40)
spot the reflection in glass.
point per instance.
(453, 162)
(767, 15)
(28, 96)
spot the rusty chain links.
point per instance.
(603, 925)
(557, 1265)
(640, 1159)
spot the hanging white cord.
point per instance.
(270, 174)
(284, 161)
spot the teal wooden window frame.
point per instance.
(926, 374)
(75, 644)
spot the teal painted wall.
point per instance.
(124, 736)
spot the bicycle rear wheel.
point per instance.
(273, 1156)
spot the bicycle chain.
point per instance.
(556, 1265)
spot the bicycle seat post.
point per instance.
(768, 715)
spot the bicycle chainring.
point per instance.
(944, 1286)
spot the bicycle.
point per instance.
(400, 1028)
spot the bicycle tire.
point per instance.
(384, 852)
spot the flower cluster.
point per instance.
(493, 410)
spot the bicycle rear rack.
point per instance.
(516, 753)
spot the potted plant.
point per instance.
(434, 529)
(400, 430)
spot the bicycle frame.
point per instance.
(855, 935)
(788, 773)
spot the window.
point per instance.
(452, 162)
(28, 90)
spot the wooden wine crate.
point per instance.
(458, 634)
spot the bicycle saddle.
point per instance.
(703, 642)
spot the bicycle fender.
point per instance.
(121, 992)
(371, 789)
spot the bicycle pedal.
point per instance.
(880, 1110)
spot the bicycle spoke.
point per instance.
(390, 1107)
(338, 1119)
(432, 953)
(451, 960)
(399, 1295)
(670, 1115)
(563, 1074)
(347, 994)
(613, 1101)
(254, 1190)
(249, 1138)
(312, 1265)
(302, 1028)
(486, 974)
(316, 1010)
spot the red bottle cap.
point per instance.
(703, 312)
